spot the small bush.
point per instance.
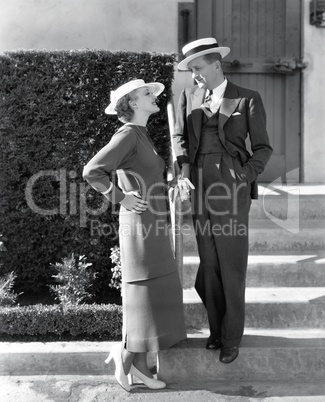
(116, 280)
(74, 279)
(7, 295)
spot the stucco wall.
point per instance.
(313, 108)
(138, 25)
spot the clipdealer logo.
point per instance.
(73, 199)
(290, 212)
(71, 194)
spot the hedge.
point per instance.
(36, 322)
(53, 121)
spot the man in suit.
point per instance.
(213, 121)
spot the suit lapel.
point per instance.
(228, 105)
(197, 99)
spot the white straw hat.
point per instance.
(156, 88)
(199, 48)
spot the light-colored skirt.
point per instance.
(153, 313)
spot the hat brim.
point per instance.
(156, 88)
(183, 65)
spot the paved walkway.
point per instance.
(105, 389)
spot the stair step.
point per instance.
(265, 236)
(281, 207)
(297, 200)
(294, 201)
(268, 308)
(59, 358)
(261, 357)
(264, 355)
(274, 295)
(271, 270)
(271, 333)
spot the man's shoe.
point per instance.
(228, 354)
(213, 343)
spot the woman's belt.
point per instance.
(152, 190)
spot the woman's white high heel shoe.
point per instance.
(121, 378)
(151, 383)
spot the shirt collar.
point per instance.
(220, 90)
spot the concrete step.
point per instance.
(270, 333)
(292, 201)
(289, 364)
(271, 270)
(59, 358)
(282, 356)
(306, 208)
(299, 201)
(268, 308)
(266, 236)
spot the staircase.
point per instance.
(282, 353)
(284, 338)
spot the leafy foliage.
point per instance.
(7, 295)
(116, 280)
(74, 279)
(53, 121)
(102, 321)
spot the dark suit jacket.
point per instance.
(241, 113)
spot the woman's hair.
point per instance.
(123, 109)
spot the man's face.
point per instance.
(205, 74)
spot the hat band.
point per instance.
(200, 49)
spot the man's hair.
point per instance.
(212, 57)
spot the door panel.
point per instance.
(264, 38)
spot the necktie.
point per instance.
(208, 100)
(206, 105)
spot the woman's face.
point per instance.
(144, 100)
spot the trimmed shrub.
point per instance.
(53, 121)
(97, 321)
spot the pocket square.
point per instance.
(236, 114)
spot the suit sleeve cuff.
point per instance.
(250, 172)
(181, 160)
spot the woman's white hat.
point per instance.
(200, 47)
(155, 87)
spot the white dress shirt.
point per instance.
(217, 95)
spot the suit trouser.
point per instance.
(221, 207)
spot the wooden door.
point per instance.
(264, 37)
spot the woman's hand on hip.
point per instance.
(133, 202)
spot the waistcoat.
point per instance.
(209, 139)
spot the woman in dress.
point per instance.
(153, 317)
